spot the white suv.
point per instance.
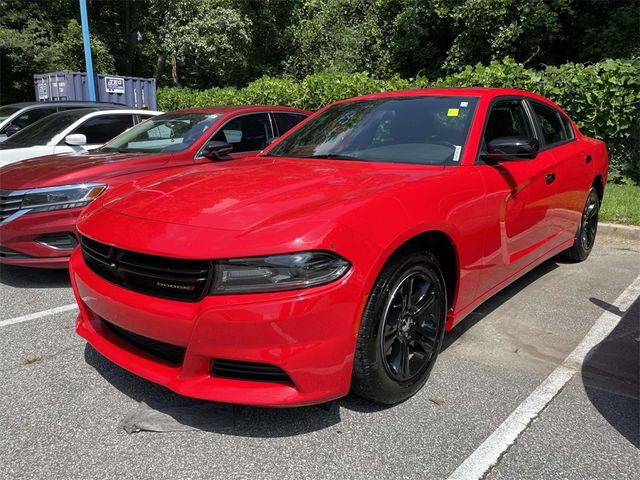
(75, 130)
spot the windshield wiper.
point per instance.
(337, 156)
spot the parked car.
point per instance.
(337, 258)
(41, 198)
(76, 130)
(15, 116)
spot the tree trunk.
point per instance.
(162, 58)
(174, 68)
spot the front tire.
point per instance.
(402, 329)
(586, 234)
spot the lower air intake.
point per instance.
(164, 351)
(237, 370)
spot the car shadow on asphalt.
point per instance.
(611, 373)
(158, 409)
(24, 277)
(161, 410)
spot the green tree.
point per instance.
(36, 40)
(206, 42)
(342, 35)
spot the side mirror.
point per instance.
(217, 150)
(75, 139)
(11, 129)
(512, 148)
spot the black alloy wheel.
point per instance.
(409, 326)
(586, 234)
(401, 329)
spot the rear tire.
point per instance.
(586, 234)
(402, 329)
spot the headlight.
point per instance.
(277, 272)
(58, 198)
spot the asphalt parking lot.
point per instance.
(67, 412)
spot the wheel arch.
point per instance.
(598, 184)
(442, 246)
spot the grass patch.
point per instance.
(621, 204)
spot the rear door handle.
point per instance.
(550, 178)
(587, 159)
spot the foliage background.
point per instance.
(581, 53)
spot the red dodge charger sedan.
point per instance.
(336, 259)
(40, 199)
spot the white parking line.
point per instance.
(487, 454)
(33, 316)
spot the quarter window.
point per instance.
(553, 129)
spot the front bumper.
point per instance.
(18, 244)
(308, 334)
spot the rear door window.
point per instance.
(101, 129)
(551, 124)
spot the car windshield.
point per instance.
(171, 132)
(429, 130)
(6, 112)
(43, 131)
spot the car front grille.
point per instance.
(164, 351)
(10, 203)
(176, 279)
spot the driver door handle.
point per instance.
(550, 178)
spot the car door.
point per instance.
(98, 130)
(519, 195)
(248, 133)
(572, 159)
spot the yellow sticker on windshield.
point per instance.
(453, 112)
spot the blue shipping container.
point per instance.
(134, 92)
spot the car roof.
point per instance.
(65, 103)
(480, 92)
(233, 109)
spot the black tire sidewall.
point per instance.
(387, 389)
(581, 251)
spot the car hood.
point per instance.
(261, 192)
(70, 168)
(13, 155)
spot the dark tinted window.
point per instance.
(508, 118)
(32, 116)
(6, 112)
(286, 121)
(43, 131)
(246, 133)
(550, 123)
(102, 129)
(568, 128)
(425, 130)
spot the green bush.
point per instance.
(602, 98)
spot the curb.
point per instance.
(627, 232)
